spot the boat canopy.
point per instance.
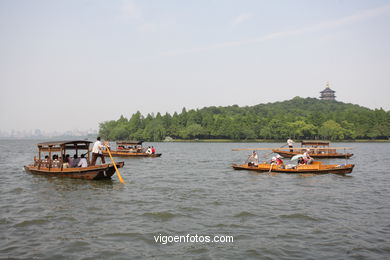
(129, 142)
(64, 145)
(324, 143)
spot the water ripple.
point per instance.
(193, 190)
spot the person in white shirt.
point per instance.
(253, 159)
(55, 162)
(306, 156)
(97, 152)
(83, 162)
(290, 143)
(149, 150)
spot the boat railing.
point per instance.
(47, 163)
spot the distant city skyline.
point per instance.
(74, 64)
(39, 133)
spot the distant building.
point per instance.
(327, 93)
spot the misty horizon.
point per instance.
(74, 64)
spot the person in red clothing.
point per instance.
(153, 150)
(279, 160)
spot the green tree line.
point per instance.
(299, 118)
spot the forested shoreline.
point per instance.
(298, 118)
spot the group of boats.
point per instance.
(316, 149)
(46, 164)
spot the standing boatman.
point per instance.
(290, 143)
(97, 152)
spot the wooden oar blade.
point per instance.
(113, 162)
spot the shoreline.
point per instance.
(210, 140)
(262, 141)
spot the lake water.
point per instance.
(193, 190)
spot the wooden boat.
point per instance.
(131, 149)
(56, 168)
(318, 149)
(316, 168)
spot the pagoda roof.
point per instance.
(327, 90)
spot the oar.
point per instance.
(273, 152)
(270, 168)
(287, 148)
(113, 162)
(247, 159)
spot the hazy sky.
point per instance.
(72, 64)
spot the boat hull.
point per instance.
(129, 154)
(313, 169)
(288, 154)
(97, 172)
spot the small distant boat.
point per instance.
(56, 168)
(318, 149)
(131, 149)
(315, 168)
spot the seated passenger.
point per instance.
(301, 161)
(55, 162)
(75, 161)
(278, 160)
(273, 160)
(153, 150)
(66, 164)
(253, 159)
(149, 150)
(70, 160)
(83, 162)
(307, 157)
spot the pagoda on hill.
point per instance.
(327, 93)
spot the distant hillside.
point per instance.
(299, 118)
